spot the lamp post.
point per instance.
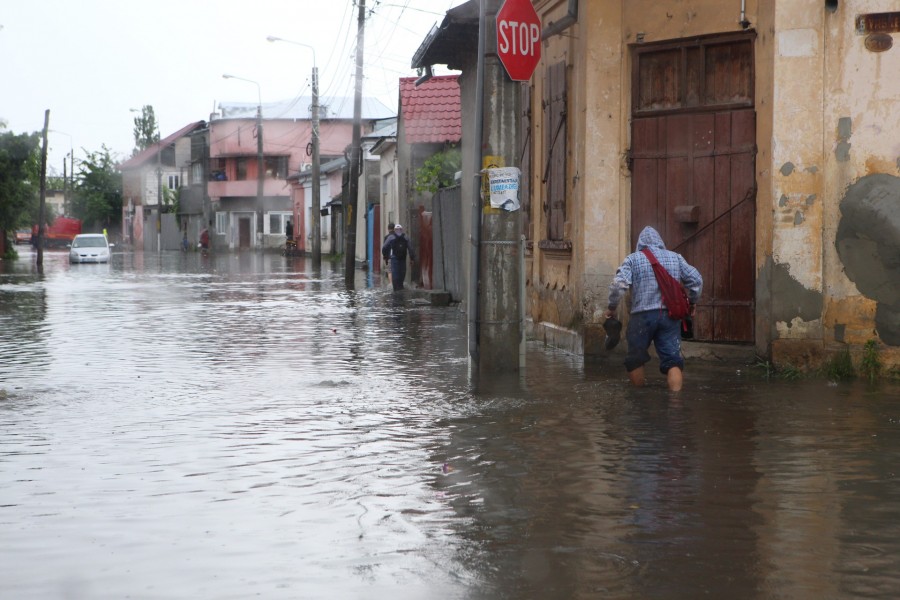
(316, 188)
(259, 149)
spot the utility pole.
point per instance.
(260, 175)
(43, 205)
(355, 158)
(65, 188)
(158, 191)
(500, 284)
(316, 191)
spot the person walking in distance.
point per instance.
(649, 320)
(394, 251)
(390, 232)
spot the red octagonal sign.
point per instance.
(518, 38)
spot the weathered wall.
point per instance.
(862, 154)
(837, 191)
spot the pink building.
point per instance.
(244, 220)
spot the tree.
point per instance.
(146, 129)
(439, 170)
(98, 189)
(19, 179)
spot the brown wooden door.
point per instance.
(693, 177)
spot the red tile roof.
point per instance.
(431, 112)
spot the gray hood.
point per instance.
(650, 238)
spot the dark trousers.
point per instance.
(398, 272)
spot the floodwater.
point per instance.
(237, 426)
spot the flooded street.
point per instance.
(237, 426)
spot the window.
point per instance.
(242, 169)
(217, 168)
(221, 223)
(276, 166)
(555, 134)
(196, 174)
(173, 182)
(277, 221)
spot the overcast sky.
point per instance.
(91, 61)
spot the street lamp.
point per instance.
(316, 189)
(259, 149)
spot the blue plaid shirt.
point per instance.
(637, 273)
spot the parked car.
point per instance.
(89, 247)
(23, 236)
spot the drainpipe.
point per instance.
(744, 23)
(475, 234)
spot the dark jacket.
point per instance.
(387, 250)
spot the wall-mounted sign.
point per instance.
(879, 42)
(888, 22)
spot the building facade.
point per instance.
(249, 216)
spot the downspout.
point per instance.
(475, 234)
(567, 21)
(744, 23)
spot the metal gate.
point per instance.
(447, 239)
(693, 171)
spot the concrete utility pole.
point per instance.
(159, 204)
(43, 205)
(355, 158)
(316, 172)
(500, 306)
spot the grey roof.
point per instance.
(327, 167)
(339, 107)
(389, 130)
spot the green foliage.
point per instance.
(171, 200)
(765, 368)
(770, 371)
(840, 367)
(19, 179)
(790, 373)
(439, 170)
(146, 129)
(98, 189)
(870, 366)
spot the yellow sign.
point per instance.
(489, 162)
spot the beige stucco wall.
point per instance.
(827, 112)
(863, 89)
(836, 106)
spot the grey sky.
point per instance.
(89, 62)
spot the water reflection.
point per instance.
(222, 426)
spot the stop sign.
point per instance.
(518, 38)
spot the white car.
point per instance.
(89, 248)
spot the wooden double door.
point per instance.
(693, 158)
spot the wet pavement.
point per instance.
(235, 426)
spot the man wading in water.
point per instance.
(649, 320)
(394, 251)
